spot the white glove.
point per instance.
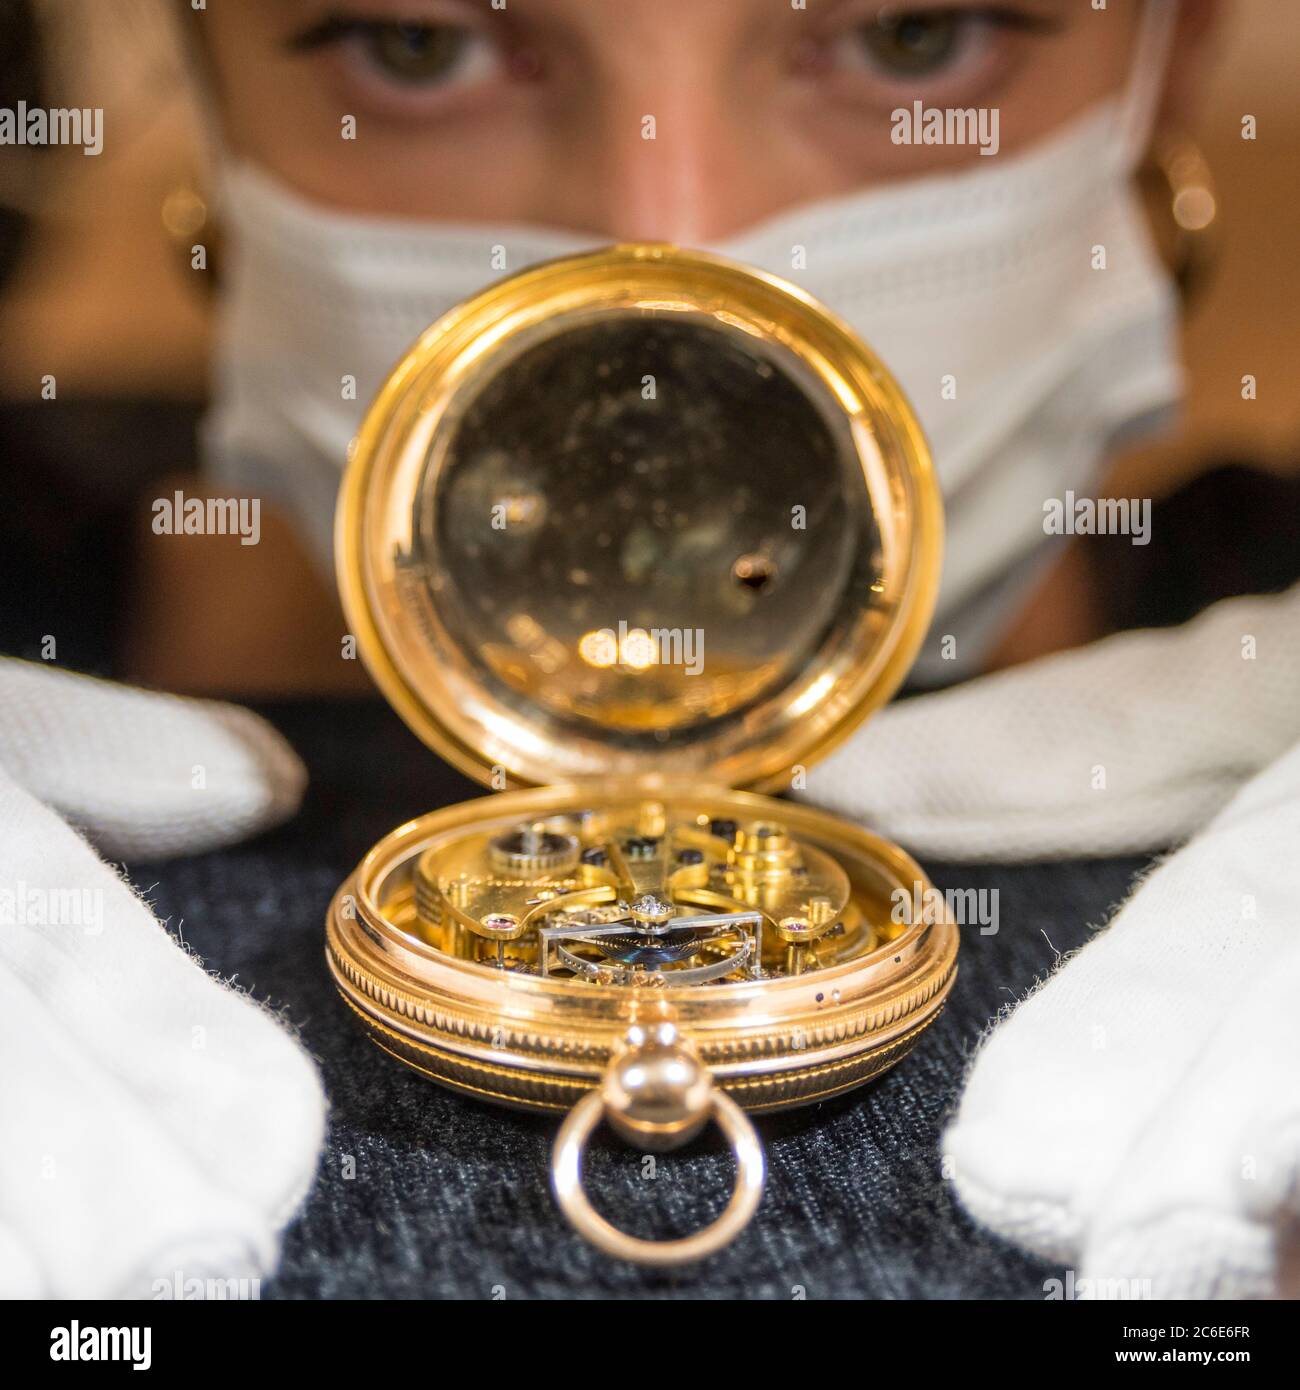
(145, 776)
(1140, 1114)
(1129, 744)
(154, 1120)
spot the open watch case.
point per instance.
(633, 538)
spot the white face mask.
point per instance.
(982, 291)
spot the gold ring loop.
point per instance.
(566, 1177)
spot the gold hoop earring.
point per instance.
(191, 231)
(1180, 191)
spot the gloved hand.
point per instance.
(1128, 744)
(145, 776)
(1139, 1115)
(156, 1122)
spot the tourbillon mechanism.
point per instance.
(640, 899)
(634, 537)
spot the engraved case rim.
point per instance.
(540, 1043)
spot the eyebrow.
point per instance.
(398, 10)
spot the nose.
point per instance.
(680, 158)
(671, 171)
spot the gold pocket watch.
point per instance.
(632, 538)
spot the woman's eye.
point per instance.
(402, 56)
(417, 54)
(918, 45)
(914, 45)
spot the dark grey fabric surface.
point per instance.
(450, 1198)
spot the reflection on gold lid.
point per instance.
(643, 513)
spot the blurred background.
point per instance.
(96, 288)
